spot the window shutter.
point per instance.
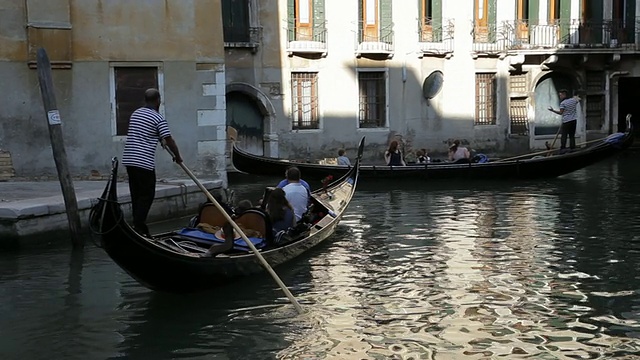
(630, 21)
(318, 19)
(534, 12)
(386, 21)
(492, 13)
(360, 21)
(437, 20)
(291, 19)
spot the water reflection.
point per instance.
(445, 271)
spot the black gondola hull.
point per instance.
(159, 265)
(533, 168)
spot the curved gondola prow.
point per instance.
(354, 170)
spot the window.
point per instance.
(430, 20)
(375, 23)
(235, 21)
(518, 83)
(518, 115)
(304, 90)
(484, 23)
(373, 99)
(130, 83)
(595, 112)
(485, 99)
(306, 20)
(522, 21)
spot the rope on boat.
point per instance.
(95, 215)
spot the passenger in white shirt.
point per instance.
(296, 193)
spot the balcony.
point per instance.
(307, 39)
(242, 37)
(375, 42)
(435, 37)
(560, 35)
(492, 39)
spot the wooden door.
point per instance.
(426, 21)
(481, 22)
(522, 26)
(370, 27)
(304, 20)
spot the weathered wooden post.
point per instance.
(57, 145)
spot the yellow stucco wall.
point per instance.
(119, 30)
(13, 35)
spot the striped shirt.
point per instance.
(146, 128)
(569, 105)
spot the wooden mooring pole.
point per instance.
(57, 145)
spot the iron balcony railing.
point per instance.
(568, 34)
(436, 35)
(306, 38)
(572, 33)
(375, 40)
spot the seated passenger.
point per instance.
(296, 193)
(243, 206)
(393, 156)
(342, 159)
(422, 157)
(280, 211)
(459, 154)
(286, 181)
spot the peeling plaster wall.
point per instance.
(184, 38)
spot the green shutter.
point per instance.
(565, 20)
(594, 13)
(318, 21)
(492, 20)
(630, 21)
(360, 21)
(291, 19)
(534, 12)
(436, 12)
(386, 21)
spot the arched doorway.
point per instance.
(245, 116)
(546, 94)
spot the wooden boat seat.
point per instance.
(209, 214)
(257, 220)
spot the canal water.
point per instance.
(416, 270)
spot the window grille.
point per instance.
(373, 99)
(485, 99)
(304, 89)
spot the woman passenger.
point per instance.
(459, 154)
(393, 156)
(280, 211)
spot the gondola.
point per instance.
(537, 165)
(191, 259)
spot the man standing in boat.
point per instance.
(568, 106)
(146, 127)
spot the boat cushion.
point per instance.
(206, 238)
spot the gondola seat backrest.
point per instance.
(209, 214)
(257, 220)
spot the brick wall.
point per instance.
(6, 166)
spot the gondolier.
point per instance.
(146, 127)
(568, 107)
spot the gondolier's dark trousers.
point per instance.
(142, 186)
(568, 129)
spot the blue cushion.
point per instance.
(208, 238)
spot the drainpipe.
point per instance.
(609, 86)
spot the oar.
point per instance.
(544, 151)
(554, 140)
(242, 234)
